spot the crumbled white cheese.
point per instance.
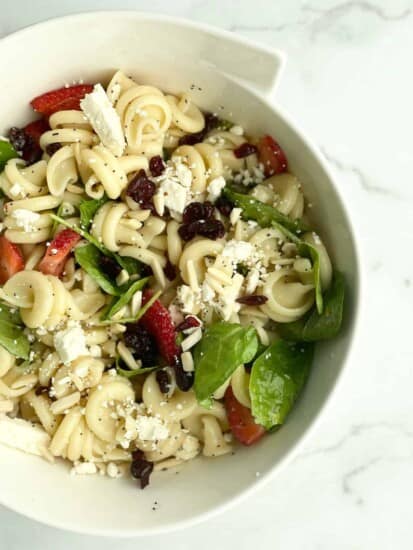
(112, 470)
(208, 293)
(237, 130)
(252, 280)
(174, 184)
(151, 428)
(104, 119)
(16, 189)
(25, 219)
(235, 215)
(70, 343)
(215, 187)
(187, 298)
(82, 468)
(23, 435)
(237, 251)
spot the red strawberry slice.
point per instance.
(36, 128)
(158, 322)
(11, 259)
(61, 100)
(53, 262)
(241, 421)
(271, 156)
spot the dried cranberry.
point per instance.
(189, 322)
(25, 145)
(109, 266)
(252, 300)
(169, 270)
(245, 150)
(184, 380)
(164, 383)
(141, 469)
(141, 189)
(211, 229)
(142, 344)
(18, 138)
(145, 270)
(198, 211)
(156, 166)
(224, 206)
(42, 389)
(211, 122)
(137, 454)
(52, 148)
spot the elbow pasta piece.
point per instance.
(203, 161)
(240, 381)
(224, 144)
(19, 182)
(114, 228)
(197, 252)
(185, 114)
(174, 242)
(288, 298)
(145, 115)
(283, 191)
(102, 402)
(68, 127)
(176, 407)
(193, 422)
(61, 170)
(214, 441)
(109, 173)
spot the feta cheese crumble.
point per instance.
(215, 187)
(25, 218)
(150, 428)
(237, 251)
(70, 343)
(174, 188)
(104, 119)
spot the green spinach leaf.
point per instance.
(88, 257)
(277, 377)
(7, 152)
(223, 348)
(119, 303)
(314, 326)
(130, 373)
(10, 315)
(138, 316)
(131, 265)
(263, 214)
(88, 210)
(14, 340)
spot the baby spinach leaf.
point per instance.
(223, 348)
(277, 377)
(119, 303)
(130, 373)
(7, 152)
(14, 340)
(10, 315)
(88, 210)
(131, 265)
(314, 326)
(88, 257)
(138, 316)
(263, 214)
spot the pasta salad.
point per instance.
(162, 287)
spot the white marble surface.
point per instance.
(349, 83)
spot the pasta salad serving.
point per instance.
(161, 286)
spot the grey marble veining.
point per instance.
(349, 84)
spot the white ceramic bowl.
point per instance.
(231, 72)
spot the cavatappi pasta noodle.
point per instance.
(134, 176)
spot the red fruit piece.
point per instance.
(53, 262)
(36, 128)
(61, 100)
(241, 421)
(158, 322)
(11, 259)
(271, 156)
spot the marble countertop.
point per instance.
(350, 488)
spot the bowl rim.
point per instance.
(272, 104)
